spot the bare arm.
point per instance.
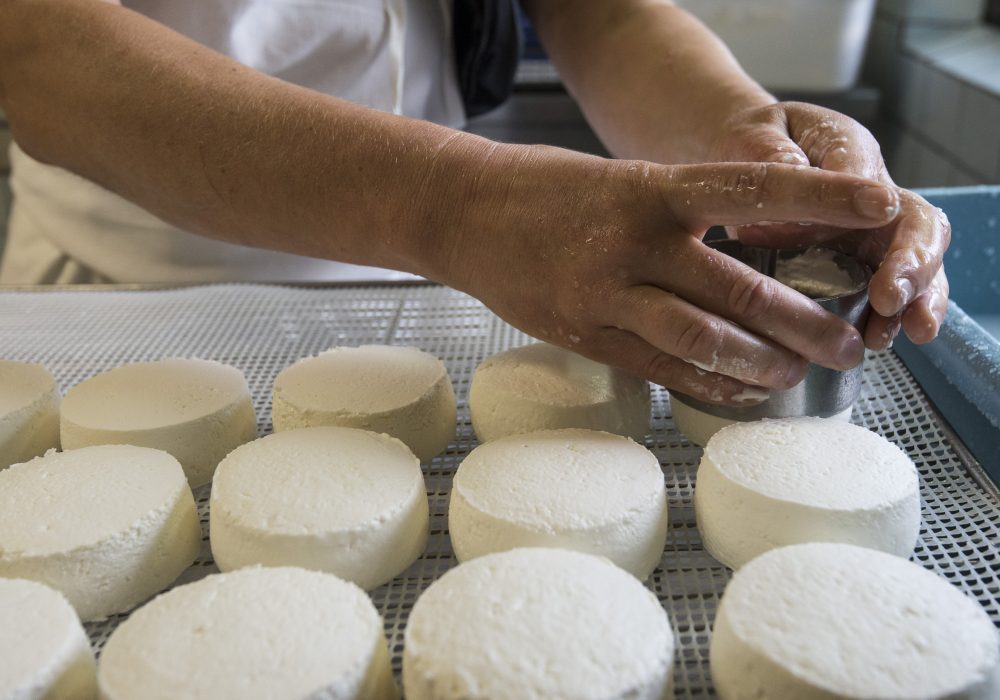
(601, 256)
(651, 79)
(658, 85)
(220, 149)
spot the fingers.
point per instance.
(633, 354)
(835, 142)
(913, 257)
(721, 285)
(772, 144)
(923, 318)
(708, 342)
(744, 193)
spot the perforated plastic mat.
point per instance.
(262, 329)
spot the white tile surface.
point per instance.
(933, 170)
(940, 10)
(972, 54)
(961, 178)
(904, 159)
(977, 145)
(940, 108)
(913, 77)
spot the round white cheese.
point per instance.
(107, 526)
(44, 652)
(535, 624)
(574, 489)
(822, 621)
(29, 412)
(346, 501)
(699, 427)
(197, 410)
(254, 633)
(400, 391)
(544, 387)
(776, 482)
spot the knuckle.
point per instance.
(751, 296)
(700, 339)
(660, 368)
(746, 185)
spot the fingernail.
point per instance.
(876, 202)
(904, 292)
(851, 352)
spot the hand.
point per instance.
(605, 257)
(909, 288)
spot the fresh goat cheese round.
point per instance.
(401, 391)
(544, 387)
(699, 426)
(29, 412)
(535, 624)
(107, 526)
(823, 620)
(256, 633)
(771, 483)
(346, 501)
(44, 652)
(197, 410)
(573, 489)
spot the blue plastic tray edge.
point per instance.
(960, 373)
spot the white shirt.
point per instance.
(393, 55)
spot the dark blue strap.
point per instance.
(487, 41)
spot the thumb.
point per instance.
(770, 144)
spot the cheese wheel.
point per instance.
(107, 526)
(341, 500)
(254, 633)
(544, 387)
(29, 412)
(44, 652)
(534, 624)
(776, 482)
(575, 489)
(699, 427)
(400, 391)
(823, 621)
(197, 410)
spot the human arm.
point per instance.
(656, 84)
(598, 255)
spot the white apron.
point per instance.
(393, 55)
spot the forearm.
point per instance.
(651, 79)
(223, 150)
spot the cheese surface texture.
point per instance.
(699, 426)
(29, 412)
(341, 500)
(821, 620)
(107, 526)
(44, 652)
(197, 410)
(534, 624)
(574, 489)
(544, 387)
(401, 391)
(771, 483)
(254, 633)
